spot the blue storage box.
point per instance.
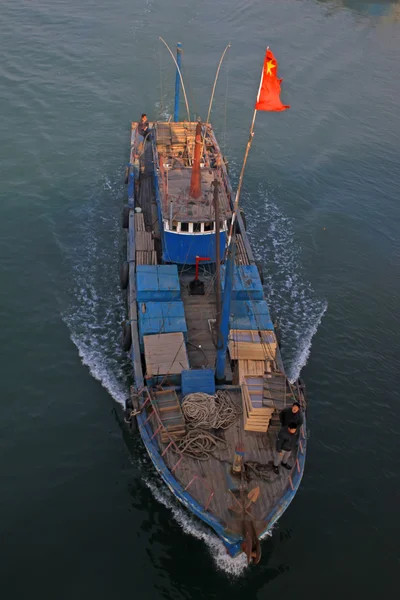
(198, 380)
(161, 317)
(250, 315)
(157, 283)
(246, 283)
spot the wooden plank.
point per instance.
(165, 353)
(144, 241)
(139, 222)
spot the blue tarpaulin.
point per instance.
(246, 284)
(161, 317)
(157, 283)
(250, 315)
(198, 380)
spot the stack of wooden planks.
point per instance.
(241, 254)
(171, 416)
(256, 416)
(252, 345)
(144, 243)
(139, 222)
(146, 257)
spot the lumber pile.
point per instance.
(144, 241)
(146, 257)
(241, 254)
(252, 345)
(256, 415)
(139, 222)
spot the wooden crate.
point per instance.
(171, 416)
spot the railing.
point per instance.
(207, 504)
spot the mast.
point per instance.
(226, 311)
(177, 81)
(217, 260)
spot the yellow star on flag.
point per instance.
(270, 66)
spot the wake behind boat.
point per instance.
(209, 381)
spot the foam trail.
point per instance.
(232, 566)
(289, 294)
(96, 308)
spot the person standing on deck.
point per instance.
(292, 414)
(285, 443)
(143, 127)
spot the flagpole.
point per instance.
(246, 154)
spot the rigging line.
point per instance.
(161, 86)
(226, 106)
(180, 75)
(215, 82)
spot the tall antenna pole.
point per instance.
(177, 81)
(180, 75)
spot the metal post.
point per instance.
(226, 310)
(217, 260)
(177, 81)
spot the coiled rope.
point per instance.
(200, 444)
(204, 411)
(210, 412)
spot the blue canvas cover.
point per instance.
(198, 380)
(157, 283)
(161, 317)
(246, 283)
(250, 315)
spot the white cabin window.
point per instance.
(184, 227)
(209, 226)
(196, 227)
(175, 225)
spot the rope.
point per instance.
(200, 444)
(210, 412)
(256, 470)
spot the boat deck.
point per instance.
(200, 313)
(215, 472)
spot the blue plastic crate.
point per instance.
(246, 283)
(198, 380)
(161, 317)
(250, 315)
(157, 283)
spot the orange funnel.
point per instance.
(195, 181)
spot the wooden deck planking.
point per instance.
(258, 448)
(198, 311)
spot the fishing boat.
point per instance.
(209, 381)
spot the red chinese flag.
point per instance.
(270, 86)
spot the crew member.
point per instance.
(285, 443)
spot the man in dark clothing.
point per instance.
(143, 127)
(292, 414)
(285, 443)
